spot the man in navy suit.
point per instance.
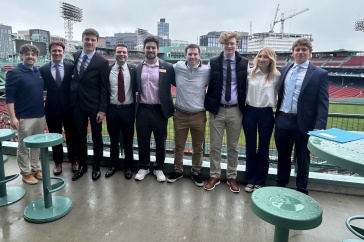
(57, 76)
(303, 101)
(154, 107)
(89, 100)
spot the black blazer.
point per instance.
(90, 92)
(58, 99)
(166, 78)
(133, 83)
(313, 101)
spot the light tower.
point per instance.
(70, 14)
(359, 25)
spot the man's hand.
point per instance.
(100, 117)
(14, 122)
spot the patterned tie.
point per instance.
(121, 88)
(228, 82)
(83, 66)
(291, 85)
(58, 76)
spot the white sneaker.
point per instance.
(160, 176)
(141, 174)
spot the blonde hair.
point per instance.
(224, 37)
(272, 69)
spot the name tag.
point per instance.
(163, 70)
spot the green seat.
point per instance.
(50, 207)
(354, 229)
(286, 209)
(8, 195)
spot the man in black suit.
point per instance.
(303, 101)
(57, 76)
(121, 110)
(154, 107)
(89, 100)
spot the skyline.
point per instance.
(331, 22)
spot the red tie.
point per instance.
(121, 88)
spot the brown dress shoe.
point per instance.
(57, 170)
(233, 185)
(74, 167)
(38, 174)
(213, 181)
(30, 179)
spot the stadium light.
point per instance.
(70, 14)
(359, 25)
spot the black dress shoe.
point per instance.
(110, 172)
(128, 173)
(81, 169)
(96, 173)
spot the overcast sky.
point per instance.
(331, 22)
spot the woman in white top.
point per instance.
(258, 116)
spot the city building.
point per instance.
(22, 34)
(211, 39)
(141, 35)
(280, 42)
(40, 35)
(163, 31)
(6, 44)
(101, 42)
(129, 39)
(56, 38)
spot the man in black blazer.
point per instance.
(57, 76)
(122, 88)
(89, 100)
(154, 107)
(303, 101)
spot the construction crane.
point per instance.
(283, 18)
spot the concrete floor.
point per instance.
(116, 209)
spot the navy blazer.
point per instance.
(313, 101)
(58, 98)
(166, 78)
(133, 83)
(91, 90)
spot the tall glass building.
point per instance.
(6, 45)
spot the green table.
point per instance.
(286, 209)
(349, 155)
(8, 195)
(50, 207)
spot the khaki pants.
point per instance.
(231, 120)
(196, 123)
(29, 127)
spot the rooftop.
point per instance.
(116, 209)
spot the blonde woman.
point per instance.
(258, 116)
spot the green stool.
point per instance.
(51, 207)
(286, 209)
(354, 229)
(8, 195)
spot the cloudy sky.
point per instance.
(331, 22)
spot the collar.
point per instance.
(198, 66)
(154, 64)
(233, 58)
(303, 65)
(60, 63)
(123, 66)
(89, 56)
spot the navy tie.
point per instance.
(228, 82)
(58, 76)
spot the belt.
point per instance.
(149, 105)
(289, 115)
(228, 106)
(186, 112)
(120, 106)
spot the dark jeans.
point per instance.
(150, 119)
(121, 118)
(54, 124)
(81, 119)
(257, 160)
(286, 135)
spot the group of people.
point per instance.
(236, 97)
